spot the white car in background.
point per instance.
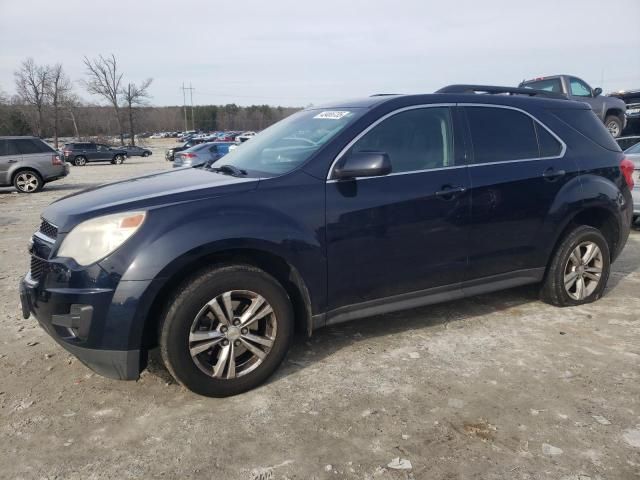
(245, 136)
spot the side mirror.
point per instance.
(597, 91)
(363, 164)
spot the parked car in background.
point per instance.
(28, 164)
(137, 151)
(170, 154)
(202, 154)
(610, 110)
(633, 154)
(632, 99)
(243, 137)
(627, 142)
(81, 153)
(370, 213)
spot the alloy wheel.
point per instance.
(583, 270)
(232, 334)
(614, 129)
(27, 182)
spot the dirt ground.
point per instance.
(498, 386)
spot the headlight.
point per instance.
(94, 239)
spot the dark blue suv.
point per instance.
(335, 213)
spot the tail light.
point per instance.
(189, 155)
(627, 167)
(66, 153)
(55, 160)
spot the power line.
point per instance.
(184, 105)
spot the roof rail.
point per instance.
(493, 90)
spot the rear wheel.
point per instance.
(80, 161)
(579, 269)
(614, 125)
(226, 330)
(28, 181)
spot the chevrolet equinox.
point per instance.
(336, 213)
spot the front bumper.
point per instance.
(90, 323)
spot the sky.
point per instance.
(297, 53)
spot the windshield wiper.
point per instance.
(230, 170)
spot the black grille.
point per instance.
(49, 230)
(37, 266)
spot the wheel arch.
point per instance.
(180, 269)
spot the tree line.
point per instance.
(46, 104)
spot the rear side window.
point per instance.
(587, 123)
(549, 146)
(550, 85)
(501, 134)
(3, 148)
(419, 139)
(27, 146)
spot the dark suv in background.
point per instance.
(335, 213)
(82, 153)
(28, 163)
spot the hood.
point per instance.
(148, 191)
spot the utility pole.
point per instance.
(193, 121)
(184, 106)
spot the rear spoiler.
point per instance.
(494, 90)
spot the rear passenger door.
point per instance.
(517, 168)
(9, 157)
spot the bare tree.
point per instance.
(31, 84)
(71, 102)
(58, 87)
(105, 81)
(135, 96)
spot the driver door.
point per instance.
(406, 232)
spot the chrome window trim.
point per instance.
(433, 105)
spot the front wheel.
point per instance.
(614, 125)
(226, 330)
(579, 269)
(118, 159)
(146, 154)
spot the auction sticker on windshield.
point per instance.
(332, 115)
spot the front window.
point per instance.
(634, 149)
(289, 143)
(579, 88)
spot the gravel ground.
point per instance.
(498, 386)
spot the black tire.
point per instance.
(27, 181)
(553, 289)
(80, 161)
(187, 304)
(118, 160)
(146, 154)
(614, 125)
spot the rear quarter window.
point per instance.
(589, 125)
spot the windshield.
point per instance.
(549, 84)
(289, 143)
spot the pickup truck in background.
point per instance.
(610, 110)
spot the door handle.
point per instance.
(13, 161)
(448, 192)
(551, 174)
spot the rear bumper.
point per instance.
(63, 172)
(77, 319)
